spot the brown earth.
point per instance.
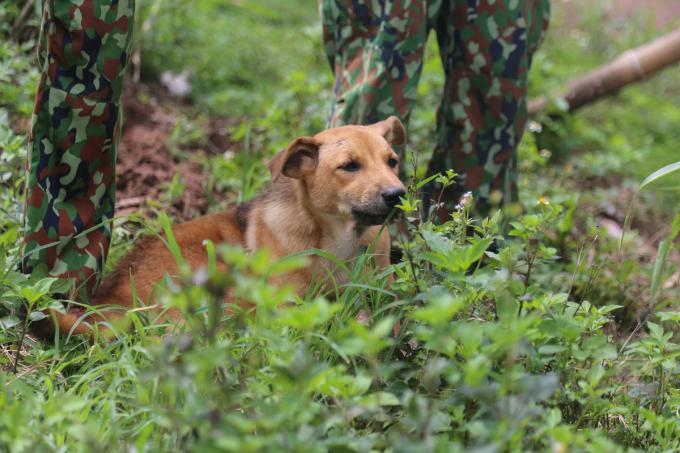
(146, 167)
(662, 12)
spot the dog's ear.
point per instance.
(392, 129)
(296, 161)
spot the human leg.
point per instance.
(486, 51)
(376, 51)
(70, 190)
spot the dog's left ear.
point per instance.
(296, 161)
(392, 129)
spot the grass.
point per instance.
(562, 339)
(237, 72)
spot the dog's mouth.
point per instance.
(370, 218)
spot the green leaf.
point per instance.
(382, 328)
(655, 330)
(338, 383)
(379, 399)
(507, 306)
(660, 173)
(447, 256)
(172, 242)
(30, 294)
(61, 286)
(476, 370)
(9, 321)
(45, 284)
(595, 375)
(550, 349)
(9, 237)
(440, 309)
(669, 316)
(308, 316)
(607, 352)
(437, 242)
(609, 308)
(212, 258)
(474, 252)
(661, 256)
(553, 417)
(287, 264)
(36, 316)
(425, 181)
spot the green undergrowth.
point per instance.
(465, 349)
(542, 331)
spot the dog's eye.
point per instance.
(392, 162)
(350, 166)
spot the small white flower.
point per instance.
(535, 127)
(465, 201)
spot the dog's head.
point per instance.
(349, 171)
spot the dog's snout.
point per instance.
(392, 195)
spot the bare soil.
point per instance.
(662, 12)
(145, 166)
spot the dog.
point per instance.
(331, 191)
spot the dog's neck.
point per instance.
(286, 213)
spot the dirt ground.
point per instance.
(663, 12)
(146, 167)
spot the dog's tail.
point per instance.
(68, 323)
(72, 323)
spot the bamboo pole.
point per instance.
(631, 66)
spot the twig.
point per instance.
(130, 202)
(635, 331)
(532, 247)
(19, 346)
(20, 19)
(412, 268)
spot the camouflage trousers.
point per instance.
(376, 49)
(70, 189)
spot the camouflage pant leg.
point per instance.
(70, 192)
(376, 51)
(486, 50)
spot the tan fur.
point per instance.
(312, 203)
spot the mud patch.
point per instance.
(146, 167)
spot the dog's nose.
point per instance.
(392, 195)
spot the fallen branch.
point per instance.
(132, 202)
(632, 66)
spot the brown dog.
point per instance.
(329, 192)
